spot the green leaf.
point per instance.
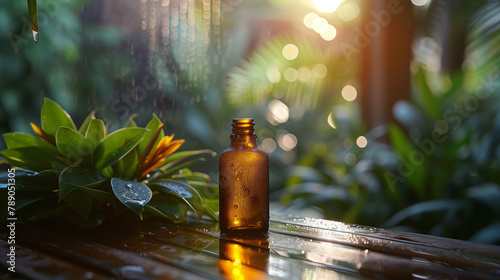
(132, 194)
(96, 132)
(423, 207)
(168, 173)
(488, 234)
(153, 124)
(33, 158)
(181, 191)
(414, 172)
(74, 178)
(167, 207)
(116, 145)
(31, 182)
(209, 212)
(19, 140)
(179, 156)
(85, 125)
(430, 102)
(185, 154)
(54, 116)
(128, 165)
(27, 198)
(193, 176)
(72, 144)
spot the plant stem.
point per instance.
(33, 11)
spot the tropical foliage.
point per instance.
(87, 175)
(439, 176)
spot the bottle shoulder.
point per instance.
(243, 149)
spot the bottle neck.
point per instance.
(243, 133)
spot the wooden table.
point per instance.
(297, 248)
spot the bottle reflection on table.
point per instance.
(242, 258)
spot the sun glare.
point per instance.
(327, 6)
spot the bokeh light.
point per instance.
(287, 141)
(279, 110)
(273, 74)
(319, 24)
(420, 2)
(348, 143)
(327, 6)
(319, 71)
(348, 11)
(309, 19)
(361, 141)
(291, 74)
(350, 159)
(349, 93)
(290, 51)
(268, 145)
(320, 149)
(304, 74)
(328, 33)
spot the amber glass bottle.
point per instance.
(244, 184)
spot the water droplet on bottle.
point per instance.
(35, 35)
(223, 179)
(236, 206)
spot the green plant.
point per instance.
(88, 175)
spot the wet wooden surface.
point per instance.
(297, 248)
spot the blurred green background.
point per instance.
(348, 140)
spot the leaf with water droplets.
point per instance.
(133, 195)
(184, 192)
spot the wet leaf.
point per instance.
(182, 191)
(29, 181)
(128, 165)
(74, 178)
(54, 116)
(167, 207)
(116, 145)
(85, 125)
(72, 144)
(96, 132)
(132, 194)
(33, 158)
(153, 124)
(19, 140)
